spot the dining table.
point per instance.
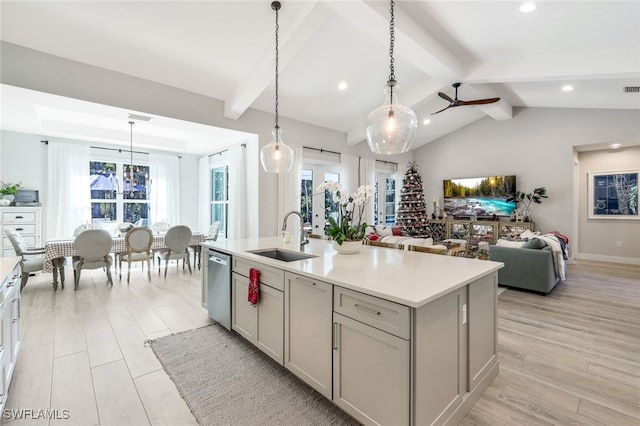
(56, 250)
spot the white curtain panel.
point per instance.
(289, 188)
(68, 188)
(165, 188)
(368, 177)
(350, 176)
(204, 189)
(238, 192)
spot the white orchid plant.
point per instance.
(349, 225)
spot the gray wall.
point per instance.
(536, 145)
(598, 238)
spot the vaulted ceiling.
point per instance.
(225, 49)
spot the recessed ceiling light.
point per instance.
(343, 85)
(527, 7)
(426, 121)
(567, 88)
(615, 145)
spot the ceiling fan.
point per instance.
(456, 102)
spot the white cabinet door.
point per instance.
(370, 373)
(244, 316)
(261, 324)
(440, 366)
(308, 331)
(482, 328)
(270, 323)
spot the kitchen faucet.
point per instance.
(303, 235)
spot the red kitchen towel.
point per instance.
(254, 286)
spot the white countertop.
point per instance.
(410, 278)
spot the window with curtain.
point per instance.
(220, 197)
(119, 192)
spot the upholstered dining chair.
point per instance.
(176, 242)
(92, 247)
(138, 242)
(214, 229)
(28, 264)
(84, 227)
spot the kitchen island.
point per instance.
(390, 336)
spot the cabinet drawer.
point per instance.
(29, 240)
(270, 276)
(18, 217)
(382, 314)
(22, 228)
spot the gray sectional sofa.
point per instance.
(525, 268)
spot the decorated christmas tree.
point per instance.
(412, 210)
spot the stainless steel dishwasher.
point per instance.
(219, 286)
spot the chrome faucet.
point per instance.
(303, 235)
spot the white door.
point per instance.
(312, 205)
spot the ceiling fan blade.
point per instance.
(445, 97)
(479, 101)
(434, 113)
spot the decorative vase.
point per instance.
(9, 197)
(347, 247)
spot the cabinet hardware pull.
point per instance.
(19, 217)
(19, 229)
(335, 335)
(367, 309)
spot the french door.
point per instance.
(315, 208)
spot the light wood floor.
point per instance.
(572, 357)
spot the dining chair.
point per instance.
(176, 242)
(138, 242)
(84, 227)
(28, 264)
(214, 229)
(92, 247)
(159, 227)
(426, 249)
(381, 244)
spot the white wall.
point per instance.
(35, 70)
(598, 237)
(23, 159)
(536, 145)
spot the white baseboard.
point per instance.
(612, 259)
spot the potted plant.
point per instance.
(347, 229)
(9, 190)
(483, 254)
(526, 199)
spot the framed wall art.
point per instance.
(613, 195)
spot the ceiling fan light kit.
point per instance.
(276, 157)
(392, 127)
(458, 102)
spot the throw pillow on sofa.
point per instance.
(534, 243)
(505, 243)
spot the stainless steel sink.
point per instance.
(284, 255)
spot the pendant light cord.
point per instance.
(392, 39)
(276, 6)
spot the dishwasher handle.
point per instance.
(218, 260)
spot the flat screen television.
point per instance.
(479, 197)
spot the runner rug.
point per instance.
(227, 381)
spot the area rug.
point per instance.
(227, 381)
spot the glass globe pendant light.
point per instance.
(276, 157)
(392, 127)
